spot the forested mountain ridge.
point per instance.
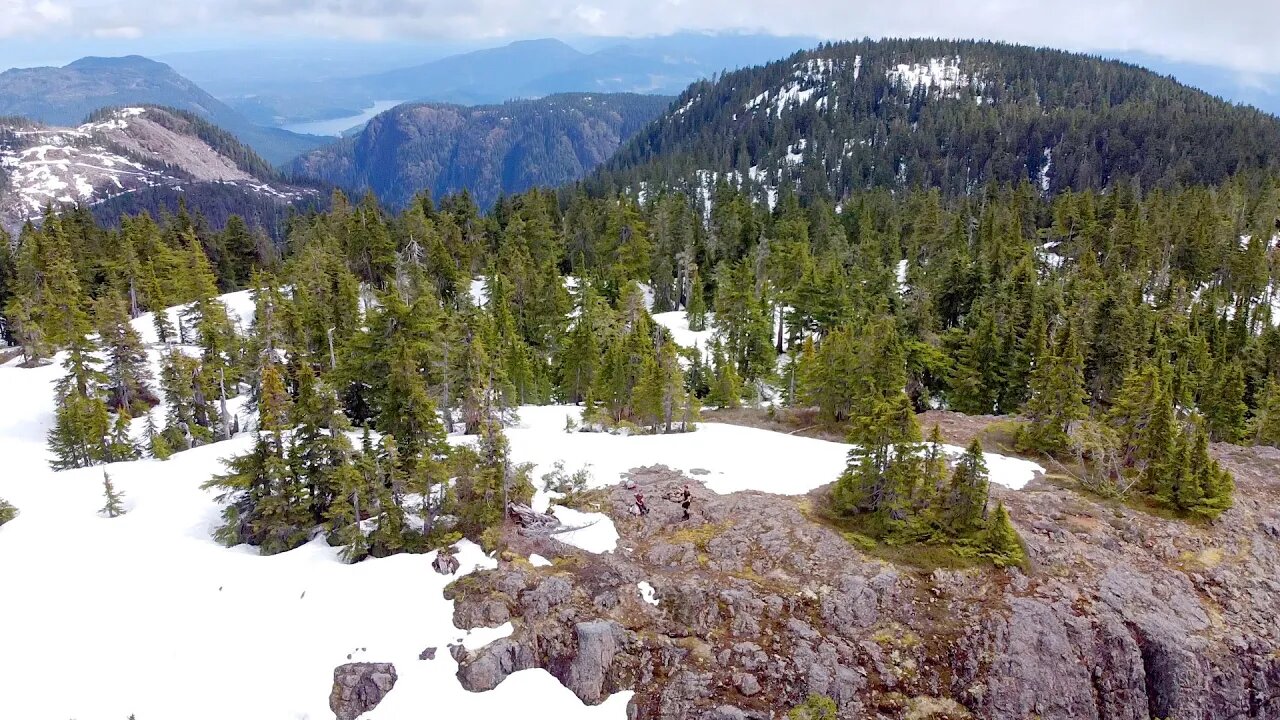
(950, 114)
(67, 95)
(488, 150)
(131, 157)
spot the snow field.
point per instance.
(145, 614)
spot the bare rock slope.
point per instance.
(1122, 615)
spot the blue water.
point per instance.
(337, 126)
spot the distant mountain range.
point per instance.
(489, 150)
(526, 69)
(949, 114)
(133, 159)
(67, 95)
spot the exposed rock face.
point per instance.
(1121, 616)
(359, 687)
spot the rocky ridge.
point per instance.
(1121, 614)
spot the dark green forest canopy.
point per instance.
(861, 117)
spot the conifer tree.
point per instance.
(157, 446)
(884, 467)
(1265, 426)
(120, 445)
(966, 508)
(127, 367)
(1057, 395)
(696, 309)
(1224, 407)
(81, 421)
(114, 506)
(1003, 544)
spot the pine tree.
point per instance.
(966, 507)
(1057, 396)
(81, 420)
(885, 466)
(157, 446)
(1265, 426)
(127, 364)
(696, 309)
(1003, 545)
(120, 445)
(114, 506)
(1224, 406)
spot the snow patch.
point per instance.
(647, 593)
(941, 73)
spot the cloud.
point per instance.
(1234, 34)
(123, 32)
(20, 17)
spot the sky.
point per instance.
(1232, 35)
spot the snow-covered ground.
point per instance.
(727, 458)
(145, 614)
(678, 323)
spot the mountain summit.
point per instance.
(952, 114)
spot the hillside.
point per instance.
(130, 154)
(951, 114)
(67, 95)
(488, 150)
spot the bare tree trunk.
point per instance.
(447, 406)
(333, 358)
(133, 300)
(222, 406)
(780, 324)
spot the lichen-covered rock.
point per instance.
(359, 687)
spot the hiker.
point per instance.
(640, 503)
(685, 500)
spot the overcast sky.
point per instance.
(1234, 34)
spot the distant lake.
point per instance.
(339, 125)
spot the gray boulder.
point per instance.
(359, 687)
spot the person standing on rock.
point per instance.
(640, 504)
(685, 500)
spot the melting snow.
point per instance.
(646, 593)
(942, 73)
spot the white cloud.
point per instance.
(1235, 34)
(123, 32)
(19, 17)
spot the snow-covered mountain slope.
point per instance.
(123, 151)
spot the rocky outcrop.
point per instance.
(1121, 615)
(445, 563)
(359, 687)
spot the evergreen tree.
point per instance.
(126, 360)
(1224, 406)
(1003, 545)
(1265, 426)
(696, 309)
(966, 507)
(1057, 396)
(114, 506)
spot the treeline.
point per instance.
(841, 118)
